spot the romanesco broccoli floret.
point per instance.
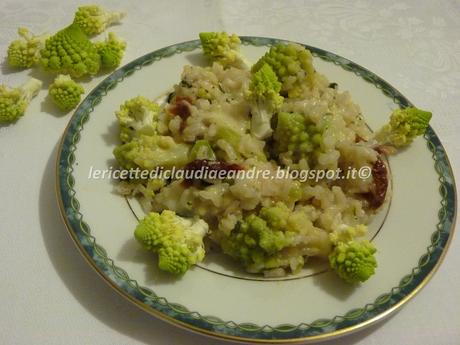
(292, 64)
(223, 48)
(94, 19)
(276, 216)
(149, 152)
(351, 258)
(137, 116)
(264, 96)
(70, 51)
(14, 101)
(295, 137)
(253, 242)
(25, 52)
(260, 241)
(202, 150)
(65, 92)
(353, 261)
(404, 126)
(111, 51)
(145, 188)
(151, 187)
(178, 241)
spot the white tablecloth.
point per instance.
(49, 295)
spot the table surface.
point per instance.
(51, 296)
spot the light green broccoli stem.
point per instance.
(223, 48)
(65, 92)
(229, 135)
(265, 100)
(70, 52)
(14, 101)
(232, 146)
(137, 116)
(295, 137)
(25, 52)
(354, 262)
(149, 152)
(404, 126)
(111, 51)
(348, 233)
(178, 241)
(293, 64)
(205, 94)
(202, 150)
(94, 19)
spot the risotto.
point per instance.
(271, 225)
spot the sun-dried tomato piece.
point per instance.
(377, 194)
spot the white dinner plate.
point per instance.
(216, 298)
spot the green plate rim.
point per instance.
(177, 314)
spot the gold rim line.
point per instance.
(195, 329)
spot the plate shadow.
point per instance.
(98, 298)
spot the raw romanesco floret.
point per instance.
(137, 116)
(149, 152)
(178, 241)
(111, 51)
(295, 137)
(94, 19)
(293, 65)
(353, 259)
(70, 51)
(404, 126)
(25, 52)
(65, 92)
(223, 48)
(14, 101)
(265, 99)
